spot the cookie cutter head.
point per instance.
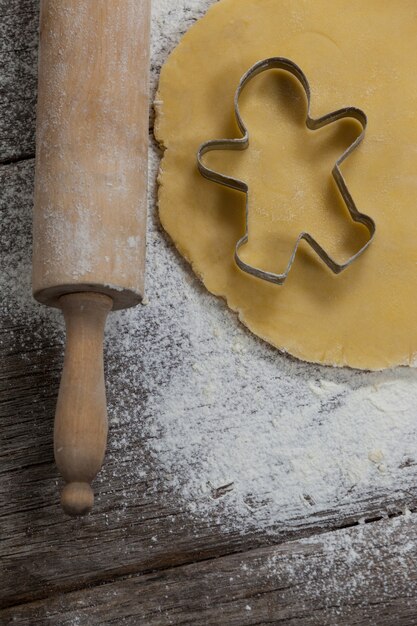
(313, 124)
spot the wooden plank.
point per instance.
(139, 522)
(18, 77)
(366, 575)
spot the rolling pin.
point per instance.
(89, 205)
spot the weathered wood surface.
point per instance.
(42, 550)
(365, 575)
(18, 77)
(138, 524)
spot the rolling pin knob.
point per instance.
(80, 432)
(90, 201)
(77, 498)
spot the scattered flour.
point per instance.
(351, 574)
(235, 430)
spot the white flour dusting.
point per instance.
(234, 429)
(344, 575)
(263, 438)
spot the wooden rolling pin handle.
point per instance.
(80, 432)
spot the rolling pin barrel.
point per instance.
(90, 204)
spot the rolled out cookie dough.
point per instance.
(360, 54)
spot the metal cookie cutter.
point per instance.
(313, 124)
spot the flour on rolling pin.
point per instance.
(91, 173)
(90, 204)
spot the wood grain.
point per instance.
(90, 204)
(365, 575)
(18, 77)
(80, 428)
(44, 553)
(139, 524)
(90, 198)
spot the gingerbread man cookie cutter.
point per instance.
(313, 124)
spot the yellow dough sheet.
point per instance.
(360, 54)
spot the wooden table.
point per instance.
(107, 568)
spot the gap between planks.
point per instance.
(349, 576)
(44, 553)
(38, 558)
(127, 572)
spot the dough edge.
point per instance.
(285, 350)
